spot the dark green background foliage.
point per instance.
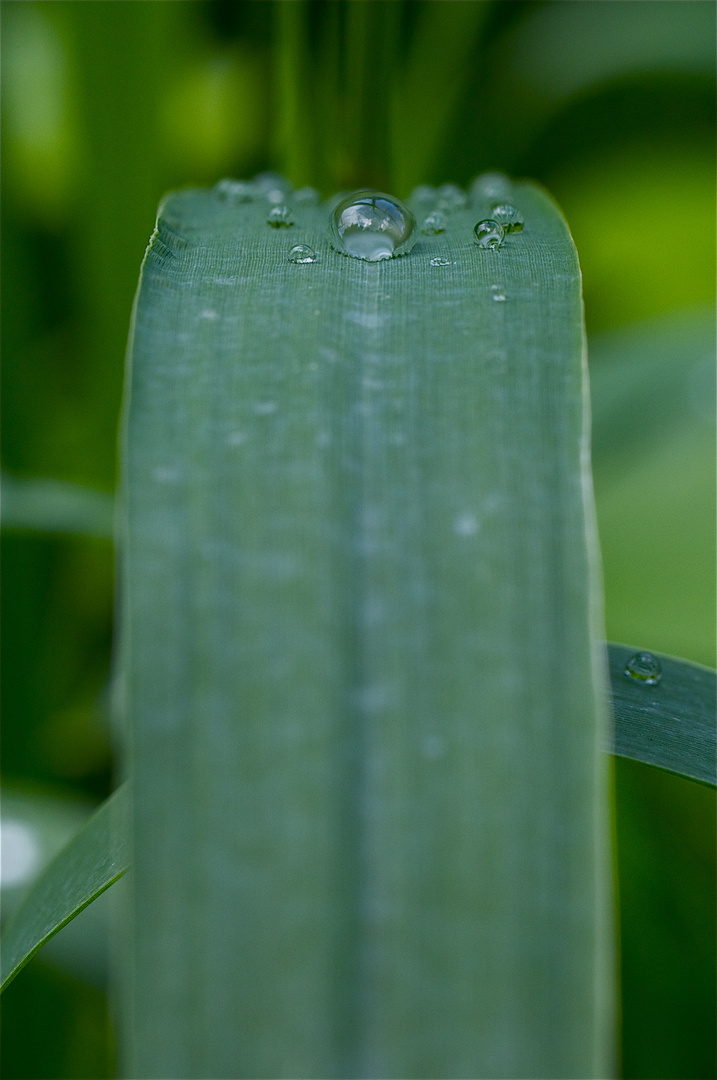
(611, 106)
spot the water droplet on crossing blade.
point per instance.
(307, 196)
(497, 294)
(510, 218)
(644, 668)
(435, 223)
(372, 226)
(273, 187)
(236, 191)
(451, 197)
(302, 253)
(489, 234)
(438, 260)
(280, 217)
(491, 185)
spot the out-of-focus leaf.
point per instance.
(52, 506)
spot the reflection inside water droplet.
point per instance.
(280, 217)
(371, 225)
(510, 218)
(435, 223)
(489, 234)
(302, 253)
(497, 294)
(644, 668)
(438, 260)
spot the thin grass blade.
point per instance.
(93, 860)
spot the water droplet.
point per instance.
(489, 234)
(423, 194)
(236, 191)
(497, 294)
(491, 185)
(510, 218)
(451, 197)
(644, 668)
(435, 223)
(307, 196)
(273, 187)
(280, 217)
(438, 260)
(372, 226)
(302, 253)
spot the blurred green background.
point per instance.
(107, 105)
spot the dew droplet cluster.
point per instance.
(373, 226)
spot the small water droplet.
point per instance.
(302, 253)
(307, 196)
(489, 234)
(644, 668)
(423, 194)
(273, 187)
(280, 217)
(438, 260)
(435, 223)
(372, 226)
(451, 197)
(236, 191)
(510, 218)
(497, 294)
(491, 185)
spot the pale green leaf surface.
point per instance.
(363, 657)
(95, 857)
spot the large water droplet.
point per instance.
(236, 191)
(302, 253)
(280, 217)
(644, 668)
(489, 234)
(438, 260)
(435, 223)
(497, 294)
(372, 226)
(507, 215)
(451, 197)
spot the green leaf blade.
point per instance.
(95, 857)
(364, 656)
(670, 725)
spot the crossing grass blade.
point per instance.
(92, 861)
(673, 731)
(672, 725)
(362, 650)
